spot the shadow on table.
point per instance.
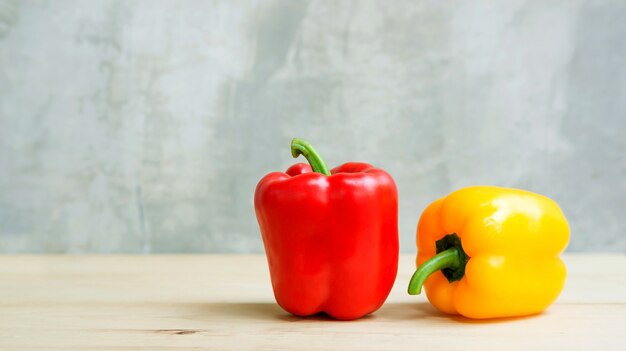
(255, 311)
(424, 310)
(406, 311)
(465, 320)
(409, 310)
(271, 311)
(248, 310)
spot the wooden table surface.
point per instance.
(223, 302)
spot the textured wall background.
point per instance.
(144, 126)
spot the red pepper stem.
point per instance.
(449, 258)
(302, 147)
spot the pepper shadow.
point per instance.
(425, 311)
(409, 311)
(266, 311)
(260, 311)
(247, 310)
(466, 320)
(271, 311)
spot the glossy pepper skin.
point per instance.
(504, 261)
(331, 240)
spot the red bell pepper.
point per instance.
(331, 238)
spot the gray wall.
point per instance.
(143, 126)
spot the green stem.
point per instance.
(449, 258)
(301, 147)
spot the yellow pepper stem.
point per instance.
(450, 258)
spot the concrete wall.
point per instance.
(143, 126)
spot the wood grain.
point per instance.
(225, 302)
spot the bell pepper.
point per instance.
(330, 237)
(489, 252)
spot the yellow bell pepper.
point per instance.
(489, 252)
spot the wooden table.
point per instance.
(222, 302)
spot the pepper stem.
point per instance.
(302, 147)
(449, 258)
